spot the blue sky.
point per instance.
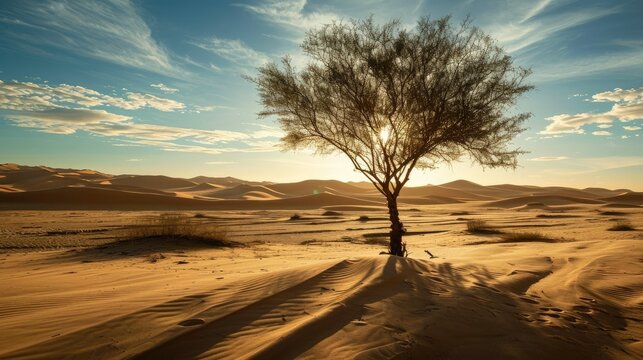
(156, 87)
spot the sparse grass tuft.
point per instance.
(622, 225)
(555, 216)
(479, 226)
(155, 257)
(531, 236)
(295, 217)
(310, 242)
(181, 227)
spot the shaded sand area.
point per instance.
(313, 286)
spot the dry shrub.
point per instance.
(295, 217)
(531, 236)
(479, 226)
(363, 218)
(181, 227)
(622, 225)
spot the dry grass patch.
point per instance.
(530, 236)
(479, 226)
(622, 225)
(181, 227)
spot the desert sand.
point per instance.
(548, 279)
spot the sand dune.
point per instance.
(538, 200)
(427, 200)
(440, 191)
(97, 198)
(471, 187)
(633, 198)
(157, 182)
(202, 191)
(314, 288)
(310, 187)
(242, 190)
(205, 187)
(378, 307)
(227, 181)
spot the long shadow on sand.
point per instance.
(378, 307)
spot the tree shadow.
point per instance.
(419, 309)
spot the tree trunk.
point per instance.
(397, 230)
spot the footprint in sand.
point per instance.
(583, 309)
(192, 322)
(554, 315)
(531, 301)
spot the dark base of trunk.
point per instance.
(396, 246)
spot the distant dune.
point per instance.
(81, 198)
(541, 199)
(157, 182)
(309, 187)
(42, 187)
(632, 198)
(441, 191)
(242, 190)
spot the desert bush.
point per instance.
(531, 236)
(178, 226)
(331, 213)
(479, 226)
(155, 257)
(310, 242)
(200, 216)
(622, 225)
(363, 218)
(295, 217)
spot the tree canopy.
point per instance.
(393, 99)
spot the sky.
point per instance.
(157, 87)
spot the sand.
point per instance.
(75, 285)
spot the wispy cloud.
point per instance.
(624, 62)
(292, 13)
(527, 24)
(110, 30)
(166, 89)
(628, 106)
(549, 158)
(632, 128)
(219, 162)
(16, 95)
(66, 109)
(234, 51)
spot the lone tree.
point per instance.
(392, 100)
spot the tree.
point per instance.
(393, 100)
